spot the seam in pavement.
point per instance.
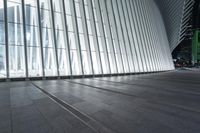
(172, 90)
(84, 118)
(131, 95)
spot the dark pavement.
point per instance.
(166, 102)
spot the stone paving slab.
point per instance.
(150, 103)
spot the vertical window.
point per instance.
(32, 39)
(50, 67)
(2, 42)
(108, 37)
(61, 41)
(15, 39)
(73, 46)
(100, 37)
(116, 40)
(85, 53)
(92, 38)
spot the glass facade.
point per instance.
(2, 42)
(45, 38)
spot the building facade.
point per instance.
(177, 16)
(55, 38)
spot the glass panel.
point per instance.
(34, 61)
(2, 61)
(78, 12)
(82, 42)
(57, 5)
(33, 51)
(104, 62)
(49, 62)
(45, 18)
(101, 37)
(108, 38)
(63, 62)
(73, 46)
(47, 37)
(80, 25)
(2, 33)
(85, 53)
(61, 41)
(67, 7)
(15, 1)
(86, 66)
(45, 4)
(31, 15)
(72, 43)
(14, 11)
(15, 32)
(32, 36)
(16, 61)
(59, 25)
(1, 11)
(92, 38)
(2, 42)
(75, 62)
(69, 23)
(95, 63)
(32, 3)
(32, 39)
(15, 39)
(50, 66)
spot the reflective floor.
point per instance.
(152, 103)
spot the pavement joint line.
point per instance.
(131, 95)
(76, 113)
(172, 80)
(173, 90)
(11, 115)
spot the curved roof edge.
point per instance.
(176, 15)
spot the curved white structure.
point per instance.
(44, 38)
(176, 15)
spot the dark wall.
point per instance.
(196, 15)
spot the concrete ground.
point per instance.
(151, 103)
